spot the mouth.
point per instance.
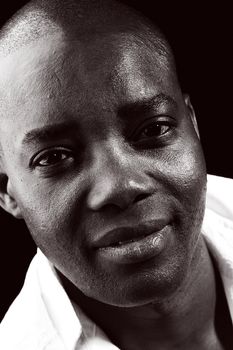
(134, 244)
(123, 242)
(127, 234)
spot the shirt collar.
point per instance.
(58, 305)
(218, 234)
(74, 328)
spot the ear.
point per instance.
(7, 200)
(191, 113)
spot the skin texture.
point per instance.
(104, 170)
(95, 186)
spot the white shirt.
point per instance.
(43, 318)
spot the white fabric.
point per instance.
(43, 318)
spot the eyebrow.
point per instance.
(55, 131)
(145, 105)
(49, 132)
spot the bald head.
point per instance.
(94, 113)
(79, 20)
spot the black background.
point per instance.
(201, 36)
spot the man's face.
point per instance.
(105, 164)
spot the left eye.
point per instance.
(51, 157)
(155, 129)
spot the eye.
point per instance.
(154, 129)
(51, 157)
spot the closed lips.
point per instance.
(125, 235)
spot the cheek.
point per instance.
(184, 168)
(187, 180)
(47, 209)
(180, 170)
(51, 223)
(190, 177)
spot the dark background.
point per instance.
(201, 36)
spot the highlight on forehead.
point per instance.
(78, 19)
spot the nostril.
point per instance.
(140, 197)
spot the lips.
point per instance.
(128, 234)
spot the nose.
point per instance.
(117, 180)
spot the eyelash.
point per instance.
(35, 162)
(167, 122)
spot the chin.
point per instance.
(159, 287)
(144, 287)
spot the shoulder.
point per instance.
(26, 325)
(217, 226)
(219, 196)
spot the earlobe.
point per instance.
(7, 200)
(191, 113)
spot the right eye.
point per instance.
(52, 157)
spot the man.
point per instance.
(100, 155)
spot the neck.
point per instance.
(184, 318)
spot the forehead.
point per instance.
(106, 52)
(57, 73)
